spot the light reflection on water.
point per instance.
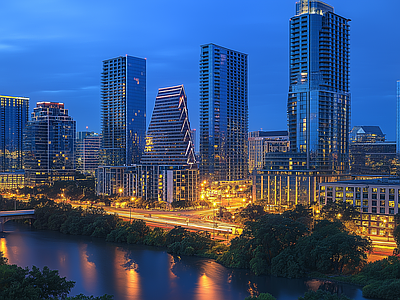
(145, 273)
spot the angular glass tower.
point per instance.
(168, 139)
(13, 119)
(223, 114)
(49, 140)
(398, 119)
(319, 91)
(123, 110)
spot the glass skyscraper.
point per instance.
(398, 119)
(169, 139)
(87, 148)
(319, 91)
(223, 114)
(123, 110)
(49, 141)
(13, 119)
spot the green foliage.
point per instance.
(261, 241)
(329, 249)
(184, 242)
(322, 295)
(249, 213)
(156, 237)
(83, 297)
(301, 214)
(262, 296)
(386, 290)
(19, 283)
(131, 233)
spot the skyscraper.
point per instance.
(319, 95)
(13, 118)
(49, 144)
(169, 139)
(87, 147)
(123, 110)
(398, 119)
(223, 113)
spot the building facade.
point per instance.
(318, 110)
(377, 200)
(366, 134)
(49, 145)
(398, 118)
(262, 142)
(13, 119)
(168, 170)
(319, 90)
(123, 110)
(223, 114)
(168, 139)
(87, 152)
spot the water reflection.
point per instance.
(88, 269)
(127, 279)
(145, 273)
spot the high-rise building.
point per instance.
(262, 142)
(318, 110)
(123, 110)
(168, 170)
(87, 147)
(13, 119)
(366, 134)
(223, 114)
(319, 91)
(49, 142)
(398, 118)
(169, 139)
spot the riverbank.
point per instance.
(144, 272)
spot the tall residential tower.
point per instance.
(123, 110)
(398, 119)
(13, 118)
(223, 113)
(319, 91)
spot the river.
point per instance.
(141, 272)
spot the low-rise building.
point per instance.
(377, 200)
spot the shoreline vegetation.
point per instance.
(293, 244)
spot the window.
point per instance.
(374, 210)
(391, 210)
(374, 196)
(382, 196)
(373, 203)
(382, 210)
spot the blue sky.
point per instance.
(52, 50)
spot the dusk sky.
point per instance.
(52, 50)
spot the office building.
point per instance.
(87, 151)
(373, 158)
(377, 199)
(13, 119)
(319, 90)
(223, 114)
(398, 118)
(262, 142)
(123, 110)
(168, 138)
(49, 144)
(366, 134)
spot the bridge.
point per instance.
(15, 215)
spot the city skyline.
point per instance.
(61, 62)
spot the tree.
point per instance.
(262, 296)
(261, 241)
(249, 213)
